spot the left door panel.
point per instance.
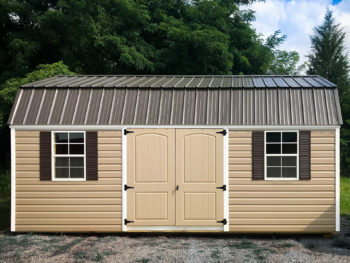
(151, 171)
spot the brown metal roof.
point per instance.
(179, 81)
(178, 100)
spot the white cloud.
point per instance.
(296, 19)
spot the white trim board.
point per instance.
(13, 180)
(124, 193)
(175, 228)
(337, 180)
(120, 127)
(226, 182)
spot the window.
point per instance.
(68, 156)
(281, 155)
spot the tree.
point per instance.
(286, 63)
(131, 37)
(329, 60)
(7, 95)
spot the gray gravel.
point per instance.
(38, 248)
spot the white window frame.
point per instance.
(282, 155)
(53, 155)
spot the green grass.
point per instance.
(345, 196)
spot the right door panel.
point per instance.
(199, 171)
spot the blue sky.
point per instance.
(297, 18)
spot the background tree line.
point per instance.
(42, 38)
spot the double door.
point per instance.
(174, 177)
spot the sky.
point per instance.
(297, 18)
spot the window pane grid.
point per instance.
(281, 155)
(69, 161)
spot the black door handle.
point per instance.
(177, 188)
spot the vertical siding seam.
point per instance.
(172, 107)
(243, 107)
(136, 106)
(289, 109)
(88, 107)
(40, 107)
(314, 106)
(188, 83)
(64, 106)
(160, 106)
(52, 106)
(148, 105)
(112, 108)
(302, 108)
(200, 82)
(16, 107)
(184, 108)
(100, 107)
(211, 81)
(277, 116)
(327, 110)
(177, 83)
(195, 106)
(29, 106)
(124, 106)
(76, 106)
(207, 113)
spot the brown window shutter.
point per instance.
(45, 155)
(258, 155)
(91, 156)
(304, 155)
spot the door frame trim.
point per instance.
(176, 228)
(224, 228)
(124, 168)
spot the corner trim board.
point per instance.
(13, 180)
(337, 179)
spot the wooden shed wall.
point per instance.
(68, 206)
(282, 206)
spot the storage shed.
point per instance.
(176, 153)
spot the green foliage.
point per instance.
(345, 196)
(5, 204)
(5, 184)
(329, 59)
(132, 37)
(8, 91)
(286, 63)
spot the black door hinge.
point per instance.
(126, 187)
(222, 187)
(223, 132)
(126, 132)
(224, 221)
(126, 221)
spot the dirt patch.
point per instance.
(37, 248)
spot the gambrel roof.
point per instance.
(178, 100)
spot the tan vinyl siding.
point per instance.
(68, 206)
(282, 206)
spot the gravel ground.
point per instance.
(39, 248)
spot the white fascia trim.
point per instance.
(13, 180)
(226, 182)
(337, 180)
(175, 228)
(124, 194)
(120, 127)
